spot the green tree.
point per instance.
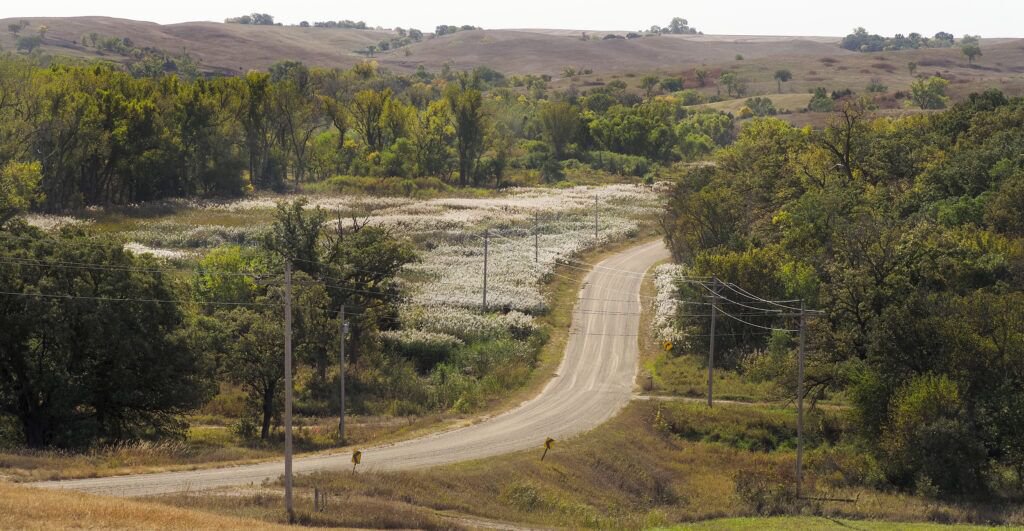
(649, 83)
(227, 274)
(19, 182)
(62, 376)
(782, 76)
(432, 135)
(299, 116)
(367, 111)
(29, 43)
(929, 93)
(702, 76)
(561, 122)
(729, 81)
(255, 359)
(466, 104)
(671, 84)
(971, 51)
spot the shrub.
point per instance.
(820, 102)
(876, 87)
(761, 106)
(691, 97)
(927, 443)
(617, 163)
(426, 349)
(768, 492)
(245, 428)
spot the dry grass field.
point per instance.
(27, 508)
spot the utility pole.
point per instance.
(343, 330)
(595, 218)
(800, 404)
(711, 350)
(536, 236)
(487, 237)
(288, 391)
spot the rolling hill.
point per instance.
(814, 61)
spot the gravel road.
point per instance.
(593, 383)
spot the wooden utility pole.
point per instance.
(343, 331)
(288, 391)
(800, 403)
(595, 218)
(487, 236)
(711, 349)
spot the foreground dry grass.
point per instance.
(27, 508)
(634, 472)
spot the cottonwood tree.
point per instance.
(561, 122)
(466, 104)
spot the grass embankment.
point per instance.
(684, 375)
(657, 464)
(27, 508)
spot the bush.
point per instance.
(246, 428)
(425, 349)
(928, 444)
(768, 492)
(876, 87)
(820, 102)
(761, 106)
(691, 97)
(611, 162)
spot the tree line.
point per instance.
(907, 233)
(103, 136)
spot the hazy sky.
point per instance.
(989, 18)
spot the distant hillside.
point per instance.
(814, 61)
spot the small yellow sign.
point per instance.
(667, 345)
(549, 443)
(357, 456)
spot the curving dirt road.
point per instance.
(593, 383)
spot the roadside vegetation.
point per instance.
(906, 234)
(656, 465)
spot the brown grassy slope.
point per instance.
(220, 47)
(524, 51)
(814, 61)
(27, 508)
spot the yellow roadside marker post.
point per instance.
(549, 443)
(357, 456)
(667, 345)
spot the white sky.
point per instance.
(989, 18)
